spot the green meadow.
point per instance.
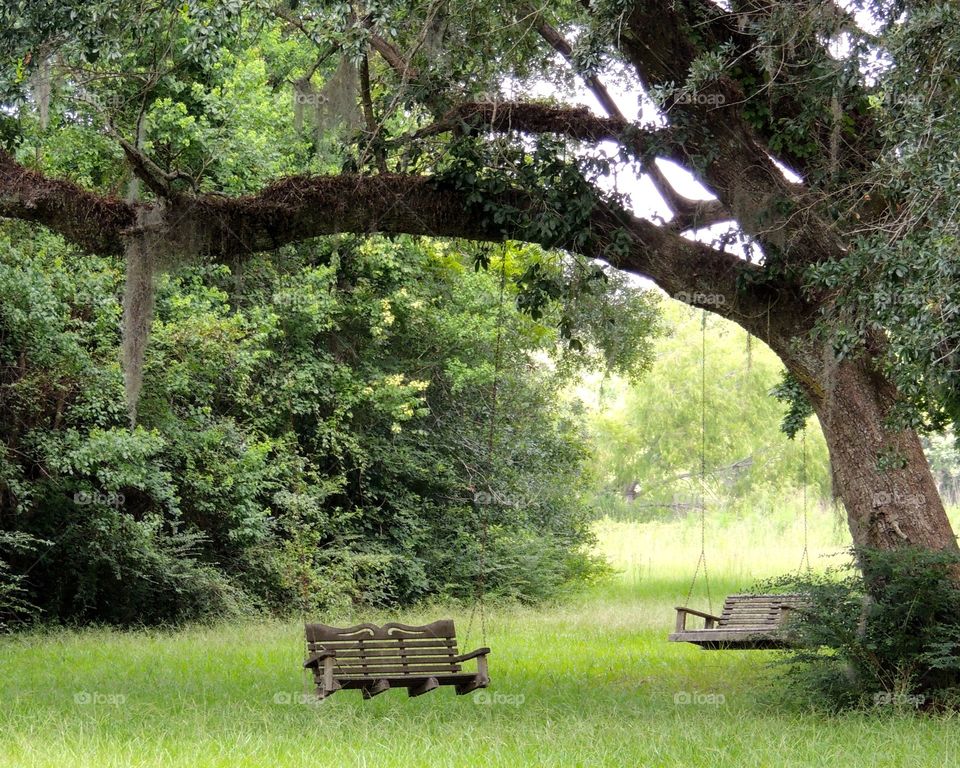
(586, 681)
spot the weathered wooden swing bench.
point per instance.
(747, 622)
(377, 658)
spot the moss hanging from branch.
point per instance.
(138, 300)
(337, 100)
(152, 248)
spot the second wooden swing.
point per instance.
(747, 621)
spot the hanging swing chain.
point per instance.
(702, 561)
(481, 584)
(805, 557)
(306, 678)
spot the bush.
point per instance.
(14, 608)
(881, 631)
(312, 436)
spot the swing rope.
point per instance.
(805, 557)
(481, 582)
(306, 677)
(702, 561)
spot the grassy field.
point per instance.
(589, 681)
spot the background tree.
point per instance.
(312, 432)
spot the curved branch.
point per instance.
(303, 207)
(688, 213)
(90, 221)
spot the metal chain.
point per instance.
(481, 584)
(702, 561)
(805, 557)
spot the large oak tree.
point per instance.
(777, 109)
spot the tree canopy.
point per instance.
(225, 129)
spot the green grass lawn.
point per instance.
(589, 681)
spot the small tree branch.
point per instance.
(597, 88)
(688, 213)
(392, 55)
(156, 179)
(373, 130)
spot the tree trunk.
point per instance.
(881, 476)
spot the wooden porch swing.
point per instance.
(374, 659)
(747, 622)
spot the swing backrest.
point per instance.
(766, 612)
(392, 650)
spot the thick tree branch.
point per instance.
(688, 213)
(92, 222)
(299, 208)
(662, 45)
(577, 123)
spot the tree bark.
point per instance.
(881, 475)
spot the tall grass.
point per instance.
(742, 545)
(587, 681)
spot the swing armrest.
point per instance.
(472, 655)
(480, 655)
(314, 661)
(708, 618)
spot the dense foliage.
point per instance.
(901, 277)
(883, 631)
(314, 428)
(346, 420)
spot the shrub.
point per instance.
(312, 436)
(882, 630)
(14, 608)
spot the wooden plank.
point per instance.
(752, 596)
(751, 622)
(758, 643)
(405, 682)
(754, 611)
(341, 672)
(396, 664)
(774, 617)
(757, 599)
(335, 645)
(349, 653)
(391, 631)
(706, 634)
(392, 661)
(398, 678)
